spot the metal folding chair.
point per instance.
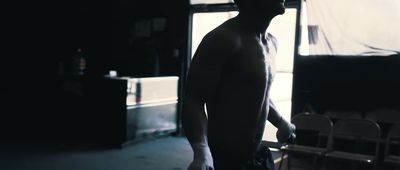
(335, 115)
(318, 124)
(355, 141)
(392, 148)
(385, 118)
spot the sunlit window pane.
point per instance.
(205, 22)
(283, 27)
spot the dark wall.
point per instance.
(36, 106)
(40, 103)
(347, 82)
(152, 54)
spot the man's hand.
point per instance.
(286, 132)
(202, 157)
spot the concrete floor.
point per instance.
(161, 153)
(167, 153)
(164, 153)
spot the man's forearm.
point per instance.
(286, 130)
(273, 115)
(194, 121)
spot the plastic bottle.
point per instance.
(79, 63)
(138, 92)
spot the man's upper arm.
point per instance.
(208, 62)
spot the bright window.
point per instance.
(283, 27)
(205, 22)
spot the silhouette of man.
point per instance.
(231, 74)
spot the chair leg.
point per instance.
(280, 163)
(288, 161)
(314, 162)
(375, 166)
(354, 166)
(324, 163)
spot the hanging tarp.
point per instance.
(353, 27)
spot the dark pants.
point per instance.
(260, 160)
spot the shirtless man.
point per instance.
(231, 74)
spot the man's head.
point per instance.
(274, 7)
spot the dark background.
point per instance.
(40, 105)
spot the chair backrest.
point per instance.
(358, 130)
(384, 116)
(318, 123)
(393, 137)
(395, 131)
(343, 114)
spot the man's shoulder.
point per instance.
(224, 36)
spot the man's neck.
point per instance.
(255, 24)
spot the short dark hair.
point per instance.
(242, 3)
